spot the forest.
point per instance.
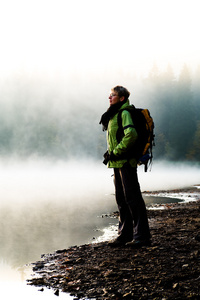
(176, 110)
(34, 122)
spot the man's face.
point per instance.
(114, 98)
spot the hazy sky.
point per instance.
(49, 36)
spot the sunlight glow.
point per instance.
(64, 35)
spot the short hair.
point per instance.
(121, 91)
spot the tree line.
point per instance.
(175, 106)
(66, 129)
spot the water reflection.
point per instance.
(45, 207)
(31, 230)
(155, 200)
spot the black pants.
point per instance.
(133, 222)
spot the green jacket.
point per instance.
(130, 136)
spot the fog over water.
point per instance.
(46, 205)
(54, 187)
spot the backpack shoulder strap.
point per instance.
(120, 131)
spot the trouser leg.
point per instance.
(125, 229)
(134, 202)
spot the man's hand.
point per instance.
(109, 157)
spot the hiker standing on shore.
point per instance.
(133, 227)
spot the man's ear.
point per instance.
(122, 98)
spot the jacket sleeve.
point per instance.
(130, 135)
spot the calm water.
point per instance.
(44, 208)
(27, 232)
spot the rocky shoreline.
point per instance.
(169, 269)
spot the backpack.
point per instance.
(144, 125)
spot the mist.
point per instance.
(48, 204)
(54, 187)
(58, 118)
(51, 126)
(83, 185)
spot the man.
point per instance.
(133, 227)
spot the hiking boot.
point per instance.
(117, 242)
(138, 243)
